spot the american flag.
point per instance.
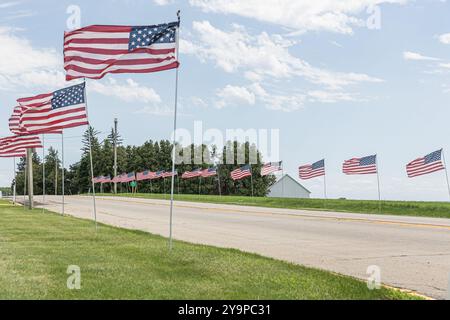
(159, 174)
(119, 178)
(209, 172)
(61, 109)
(430, 163)
(309, 171)
(365, 165)
(271, 167)
(93, 51)
(102, 179)
(145, 175)
(15, 143)
(192, 174)
(241, 172)
(12, 154)
(128, 177)
(168, 174)
(14, 123)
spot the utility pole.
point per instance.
(30, 177)
(115, 153)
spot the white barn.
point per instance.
(288, 187)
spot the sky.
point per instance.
(338, 79)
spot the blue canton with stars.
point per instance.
(145, 36)
(432, 157)
(366, 161)
(319, 164)
(68, 96)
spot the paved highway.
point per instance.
(412, 252)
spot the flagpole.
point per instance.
(218, 181)
(174, 131)
(25, 182)
(446, 173)
(62, 167)
(15, 181)
(251, 178)
(43, 172)
(378, 183)
(324, 186)
(90, 158)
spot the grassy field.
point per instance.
(37, 248)
(405, 208)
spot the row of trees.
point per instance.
(152, 155)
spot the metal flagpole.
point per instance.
(15, 181)
(218, 181)
(62, 169)
(90, 158)
(25, 182)
(30, 177)
(446, 173)
(199, 184)
(251, 178)
(378, 183)
(43, 172)
(324, 185)
(174, 131)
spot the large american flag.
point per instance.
(145, 175)
(309, 171)
(119, 178)
(102, 179)
(159, 174)
(14, 123)
(430, 163)
(15, 143)
(241, 172)
(13, 154)
(57, 110)
(192, 174)
(271, 167)
(93, 51)
(364, 165)
(209, 172)
(128, 177)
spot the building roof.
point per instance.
(287, 176)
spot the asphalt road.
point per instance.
(411, 252)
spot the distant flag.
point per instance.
(271, 167)
(241, 172)
(159, 174)
(119, 178)
(209, 172)
(430, 163)
(93, 51)
(100, 179)
(145, 175)
(15, 143)
(365, 165)
(192, 174)
(168, 174)
(309, 171)
(128, 177)
(65, 108)
(106, 179)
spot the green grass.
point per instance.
(401, 208)
(36, 248)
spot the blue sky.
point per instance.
(335, 88)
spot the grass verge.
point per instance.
(37, 248)
(401, 208)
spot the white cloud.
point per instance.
(330, 96)
(445, 65)
(234, 95)
(163, 2)
(408, 55)
(23, 65)
(260, 56)
(8, 4)
(445, 38)
(129, 90)
(299, 15)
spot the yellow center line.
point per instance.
(299, 215)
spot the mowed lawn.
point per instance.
(37, 248)
(403, 208)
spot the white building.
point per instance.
(288, 187)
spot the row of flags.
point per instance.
(430, 163)
(236, 174)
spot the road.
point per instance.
(412, 252)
